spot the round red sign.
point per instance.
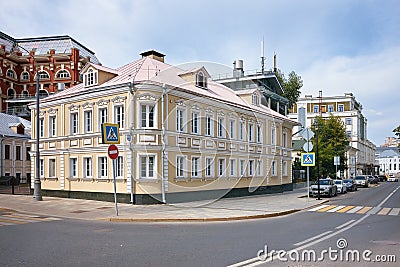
(113, 151)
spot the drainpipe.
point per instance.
(131, 131)
(1, 154)
(163, 145)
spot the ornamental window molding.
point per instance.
(87, 105)
(41, 113)
(180, 103)
(147, 97)
(119, 99)
(209, 110)
(195, 107)
(52, 111)
(103, 102)
(220, 113)
(74, 107)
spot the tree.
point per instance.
(332, 141)
(397, 132)
(291, 86)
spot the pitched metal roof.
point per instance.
(6, 121)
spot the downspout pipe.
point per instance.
(1, 154)
(131, 142)
(163, 145)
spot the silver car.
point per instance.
(362, 180)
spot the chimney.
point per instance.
(275, 69)
(238, 68)
(154, 55)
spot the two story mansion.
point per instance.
(183, 137)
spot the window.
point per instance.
(11, 93)
(119, 116)
(28, 155)
(221, 127)
(74, 123)
(232, 167)
(284, 167)
(25, 76)
(18, 154)
(87, 167)
(284, 137)
(330, 108)
(273, 135)
(316, 109)
(88, 121)
(7, 152)
(201, 80)
(209, 125)
(52, 122)
(147, 116)
(52, 167)
(251, 132)
(147, 167)
(102, 167)
(62, 74)
(43, 75)
(348, 133)
(179, 166)
(348, 121)
(195, 123)
(195, 166)
(258, 133)
(242, 167)
(241, 130)
(259, 167)
(209, 167)
(103, 117)
(41, 126)
(11, 74)
(73, 167)
(340, 107)
(274, 168)
(255, 100)
(119, 167)
(180, 126)
(232, 129)
(91, 78)
(251, 168)
(25, 93)
(221, 167)
(323, 108)
(41, 168)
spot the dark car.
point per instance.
(372, 179)
(382, 178)
(350, 184)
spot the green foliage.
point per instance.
(397, 131)
(291, 86)
(332, 141)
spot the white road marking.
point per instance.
(374, 210)
(345, 224)
(336, 209)
(319, 207)
(395, 211)
(355, 209)
(312, 238)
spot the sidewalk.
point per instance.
(226, 209)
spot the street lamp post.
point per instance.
(317, 157)
(37, 191)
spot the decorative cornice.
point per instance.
(52, 111)
(87, 105)
(146, 97)
(118, 99)
(209, 110)
(220, 113)
(196, 107)
(74, 107)
(103, 102)
(180, 103)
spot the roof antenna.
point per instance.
(262, 55)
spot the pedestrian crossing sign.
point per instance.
(307, 159)
(110, 133)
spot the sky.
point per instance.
(342, 46)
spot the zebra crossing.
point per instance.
(357, 210)
(15, 218)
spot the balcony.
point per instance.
(25, 97)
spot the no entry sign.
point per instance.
(113, 151)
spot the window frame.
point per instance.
(119, 167)
(147, 170)
(251, 167)
(195, 169)
(149, 110)
(74, 123)
(180, 120)
(52, 126)
(242, 132)
(195, 116)
(340, 107)
(119, 115)
(103, 118)
(73, 167)
(221, 167)
(232, 167)
(52, 167)
(102, 167)
(88, 121)
(209, 129)
(41, 127)
(274, 168)
(221, 133)
(18, 154)
(87, 172)
(209, 167)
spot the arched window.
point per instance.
(43, 75)
(91, 78)
(25, 93)
(11, 93)
(25, 76)
(43, 93)
(255, 99)
(201, 80)
(11, 74)
(62, 74)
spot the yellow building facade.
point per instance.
(183, 137)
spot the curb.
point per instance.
(221, 219)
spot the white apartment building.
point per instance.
(361, 152)
(389, 162)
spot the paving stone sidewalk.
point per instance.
(225, 209)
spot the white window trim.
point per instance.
(259, 167)
(251, 168)
(181, 128)
(85, 167)
(242, 130)
(274, 168)
(41, 167)
(71, 167)
(41, 127)
(52, 126)
(284, 138)
(115, 114)
(198, 167)
(232, 129)
(340, 106)
(198, 122)
(117, 167)
(221, 127)
(315, 109)
(259, 135)
(155, 167)
(63, 71)
(99, 116)
(211, 116)
(147, 104)
(184, 167)
(273, 135)
(71, 123)
(85, 130)
(99, 167)
(224, 168)
(55, 167)
(232, 162)
(285, 168)
(212, 165)
(242, 172)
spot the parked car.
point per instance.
(372, 179)
(350, 184)
(382, 178)
(362, 180)
(393, 179)
(327, 188)
(341, 187)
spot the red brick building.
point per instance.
(57, 59)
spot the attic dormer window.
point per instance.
(90, 78)
(201, 80)
(255, 100)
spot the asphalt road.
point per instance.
(50, 242)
